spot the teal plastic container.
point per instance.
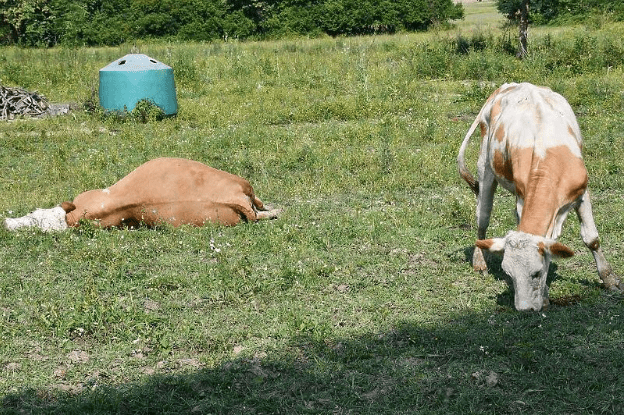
(136, 77)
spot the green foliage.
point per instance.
(544, 11)
(94, 23)
(366, 17)
(477, 42)
(27, 22)
(82, 22)
(146, 111)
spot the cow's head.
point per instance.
(52, 219)
(526, 260)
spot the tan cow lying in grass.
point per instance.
(531, 146)
(171, 190)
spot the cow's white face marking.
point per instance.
(526, 260)
(52, 219)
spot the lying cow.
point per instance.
(171, 190)
(531, 145)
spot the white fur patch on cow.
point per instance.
(52, 219)
(106, 191)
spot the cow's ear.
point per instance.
(494, 245)
(68, 206)
(560, 250)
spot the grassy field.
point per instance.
(480, 15)
(360, 298)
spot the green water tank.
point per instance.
(135, 77)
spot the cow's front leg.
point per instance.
(485, 200)
(589, 234)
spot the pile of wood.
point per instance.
(17, 102)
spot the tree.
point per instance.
(519, 12)
(524, 28)
(26, 22)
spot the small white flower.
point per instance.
(213, 247)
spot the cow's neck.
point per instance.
(540, 208)
(554, 181)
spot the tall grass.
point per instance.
(563, 52)
(359, 298)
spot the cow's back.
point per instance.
(525, 115)
(178, 191)
(533, 147)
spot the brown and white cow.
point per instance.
(531, 146)
(171, 190)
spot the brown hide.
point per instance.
(176, 191)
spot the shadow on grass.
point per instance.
(567, 360)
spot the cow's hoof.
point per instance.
(478, 261)
(269, 213)
(483, 271)
(611, 282)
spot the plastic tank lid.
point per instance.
(135, 62)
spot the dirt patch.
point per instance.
(78, 356)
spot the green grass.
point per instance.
(360, 297)
(481, 15)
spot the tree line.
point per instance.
(546, 11)
(112, 22)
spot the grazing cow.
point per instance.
(176, 191)
(531, 146)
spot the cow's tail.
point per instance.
(461, 158)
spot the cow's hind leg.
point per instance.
(258, 211)
(485, 200)
(589, 234)
(268, 214)
(264, 212)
